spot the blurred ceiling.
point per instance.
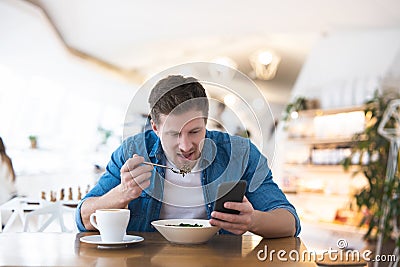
(140, 38)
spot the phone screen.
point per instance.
(229, 192)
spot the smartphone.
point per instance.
(229, 192)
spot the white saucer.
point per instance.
(96, 239)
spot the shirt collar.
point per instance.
(157, 151)
(209, 149)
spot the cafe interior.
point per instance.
(300, 75)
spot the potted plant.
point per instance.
(370, 144)
(33, 140)
(105, 133)
(299, 103)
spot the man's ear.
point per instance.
(154, 127)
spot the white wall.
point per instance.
(345, 68)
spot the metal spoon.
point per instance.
(162, 166)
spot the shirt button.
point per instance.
(209, 205)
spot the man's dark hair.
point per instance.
(178, 94)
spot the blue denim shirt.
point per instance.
(223, 158)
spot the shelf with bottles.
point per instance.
(317, 154)
(326, 140)
(323, 156)
(325, 112)
(323, 180)
(314, 146)
(317, 167)
(325, 126)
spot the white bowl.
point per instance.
(185, 235)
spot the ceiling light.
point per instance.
(265, 57)
(265, 64)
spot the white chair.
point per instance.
(18, 207)
(55, 210)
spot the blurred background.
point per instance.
(69, 70)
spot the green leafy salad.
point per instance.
(185, 225)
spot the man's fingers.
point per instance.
(144, 184)
(127, 176)
(234, 206)
(242, 207)
(132, 163)
(225, 216)
(231, 227)
(142, 178)
(140, 170)
(238, 219)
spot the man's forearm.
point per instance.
(273, 224)
(111, 200)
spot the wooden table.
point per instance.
(65, 249)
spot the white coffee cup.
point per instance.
(111, 223)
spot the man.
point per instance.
(179, 139)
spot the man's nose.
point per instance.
(185, 143)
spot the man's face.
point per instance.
(181, 136)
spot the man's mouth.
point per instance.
(187, 156)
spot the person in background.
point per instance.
(179, 139)
(7, 176)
